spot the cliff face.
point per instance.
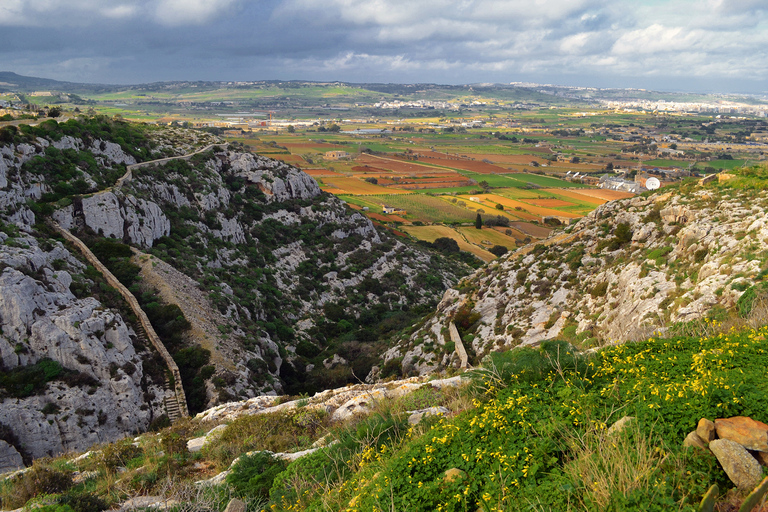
(275, 276)
(630, 268)
(289, 267)
(96, 388)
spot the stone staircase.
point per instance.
(172, 408)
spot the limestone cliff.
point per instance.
(631, 268)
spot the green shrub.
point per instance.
(39, 480)
(599, 290)
(82, 502)
(253, 475)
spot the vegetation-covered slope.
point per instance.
(528, 430)
(292, 275)
(628, 269)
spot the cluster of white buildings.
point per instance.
(724, 107)
(421, 104)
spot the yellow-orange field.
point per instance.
(432, 233)
(322, 173)
(549, 203)
(296, 160)
(355, 186)
(591, 195)
(492, 199)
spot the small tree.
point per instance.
(291, 128)
(478, 222)
(498, 250)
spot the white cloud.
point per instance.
(190, 12)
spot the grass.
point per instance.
(432, 233)
(478, 236)
(424, 208)
(529, 427)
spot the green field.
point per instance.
(420, 207)
(664, 162)
(720, 164)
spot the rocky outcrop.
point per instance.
(10, 458)
(113, 215)
(628, 269)
(106, 393)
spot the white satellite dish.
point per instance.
(652, 183)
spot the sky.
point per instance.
(674, 45)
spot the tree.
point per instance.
(484, 185)
(498, 250)
(478, 222)
(445, 244)
(499, 206)
(373, 181)
(291, 128)
(334, 128)
(54, 112)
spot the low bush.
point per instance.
(253, 475)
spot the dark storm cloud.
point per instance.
(682, 42)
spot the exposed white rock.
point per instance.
(10, 458)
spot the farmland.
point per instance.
(510, 147)
(432, 233)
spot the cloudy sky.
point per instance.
(697, 45)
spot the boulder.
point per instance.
(197, 444)
(693, 440)
(749, 433)
(416, 416)
(454, 474)
(620, 425)
(235, 505)
(742, 468)
(705, 430)
(148, 502)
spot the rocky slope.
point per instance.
(294, 277)
(632, 267)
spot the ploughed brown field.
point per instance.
(549, 203)
(510, 159)
(458, 162)
(395, 165)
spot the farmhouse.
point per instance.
(393, 210)
(612, 183)
(336, 155)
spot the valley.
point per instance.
(309, 287)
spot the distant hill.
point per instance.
(10, 81)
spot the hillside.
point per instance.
(631, 268)
(297, 283)
(649, 313)
(551, 427)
